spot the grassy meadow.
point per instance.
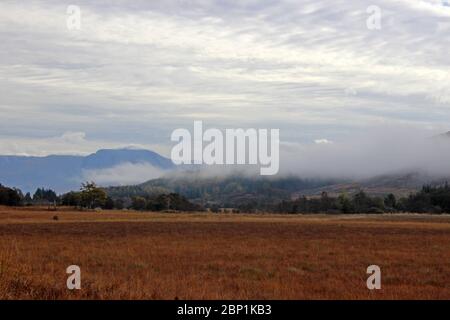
(133, 255)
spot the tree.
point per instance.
(109, 203)
(390, 201)
(118, 204)
(345, 204)
(139, 203)
(361, 202)
(28, 200)
(92, 196)
(71, 199)
(325, 202)
(10, 196)
(45, 195)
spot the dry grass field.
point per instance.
(130, 255)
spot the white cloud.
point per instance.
(69, 143)
(137, 70)
(322, 141)
(73, 137)
(123, 174)
(384, 150)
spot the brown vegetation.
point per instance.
(129, 255)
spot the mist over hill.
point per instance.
(245, 191)
(379, 162)
(65, 173)
(233, 190)
(382, 162)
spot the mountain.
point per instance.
(65, 173)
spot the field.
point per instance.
(131, 255)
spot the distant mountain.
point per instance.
(65, 173)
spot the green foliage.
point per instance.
(92, 196)
(163, 202)
(109, 204)
(359, 203)
(241, 194)
(345, 204)
(429, 199)
(27, 199)
(119, 204)
(244, 193)
(139, 203)
(72, 199)
(390, 202)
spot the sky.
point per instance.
(137, 70)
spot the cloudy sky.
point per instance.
(137, 70)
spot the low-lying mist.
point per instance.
(376, 152)
(123, 174)
(373, 153)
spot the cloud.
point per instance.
(123, 174)
(322, 141)
(379, 151)
(69, 143)
(73, 137)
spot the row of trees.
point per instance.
(42, 195)
(15, 197)
(91, 196)
(358, 203)
(172, 201)
(428, 200)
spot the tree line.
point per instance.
(430, 199)
(91, 196)
(164, 202)
(15, 197)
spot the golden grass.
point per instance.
(131, 255)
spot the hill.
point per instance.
(400, 184)
(244, 192)
(233, 191)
